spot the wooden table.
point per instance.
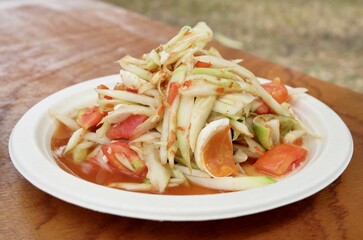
(48, 45)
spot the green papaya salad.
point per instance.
(183, 115)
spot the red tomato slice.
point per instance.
(125, 129)
(277, 90)
(277, 161)
(263, 109)
(173, 92)
(200, 64)
(89, 117)
(122, 148)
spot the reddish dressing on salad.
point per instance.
(91, 171)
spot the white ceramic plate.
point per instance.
(29, 148)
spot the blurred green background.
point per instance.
(321, 38)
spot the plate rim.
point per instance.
(154, 211)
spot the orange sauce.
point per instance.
(91, 171)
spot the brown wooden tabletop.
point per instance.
(48, 45)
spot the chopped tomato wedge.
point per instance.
(116, 150)
(200, 64)
(263, 109)
(277, 90)
(125, 128)
(173, 92)
(279, 159)
(89, 117)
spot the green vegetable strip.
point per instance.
(132, 186)
(154, 56)
(183, 121)
(158, 173)
(241, 127)
(128, 96)
(220, 73)
(172, 146)
(201, 110)
(141, 73)
(206, 90)
(172, 42)
(225, 109)
(164, 136)
(75, 139)
(245, 74)
(232, 184)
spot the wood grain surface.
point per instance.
(48, 45)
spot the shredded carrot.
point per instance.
(180, 128)
(161, 109)
(131, 90)
(187, 83)
(171, 140)
(200, 64)
(104, 87)
(220, 90)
